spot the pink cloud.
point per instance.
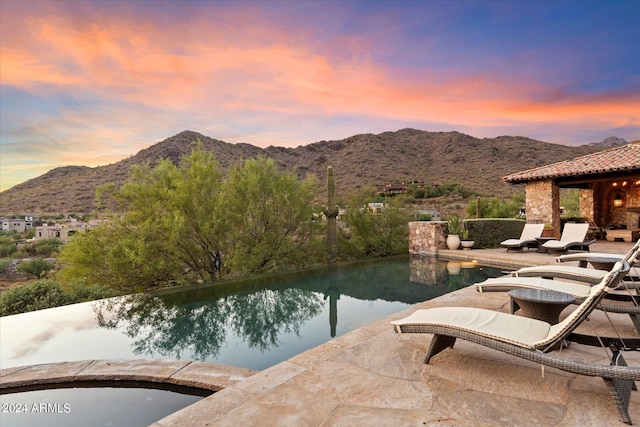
(231, 68)
(196, 65)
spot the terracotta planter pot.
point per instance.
(548, 232)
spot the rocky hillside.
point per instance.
(612, 141)
(360, 161)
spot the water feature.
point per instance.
(251, 323)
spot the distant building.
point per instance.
(392, 189)
(376, 207)
(15, 224)
(31, 220)
(61, 231)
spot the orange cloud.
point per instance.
(132, 72)
(194, 66)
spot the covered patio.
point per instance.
(609, 185)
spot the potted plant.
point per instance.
(465, 241)
(548, 231)
(453, 228)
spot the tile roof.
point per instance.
(623, 158)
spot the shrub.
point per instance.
(30, 297)
(4, 263)
(371, 235)
(7, 247)
(47, 247)
(492, 207)
(43, 294)
(488, 233)
(36, 267)
(43, 247)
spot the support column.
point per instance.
(587, 204)
(543, 204)
(426, 237)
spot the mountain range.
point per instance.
(359, 162)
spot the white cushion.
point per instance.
(550, 269)
(572, 288)
(517, 330)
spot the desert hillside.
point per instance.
(360, 161)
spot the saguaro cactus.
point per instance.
(331, 212)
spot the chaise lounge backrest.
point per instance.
(531, 231)
(574, 232)
(609, 282)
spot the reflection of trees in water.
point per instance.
(261, 316)
(159, 326)
(168, 330)
(260, 310)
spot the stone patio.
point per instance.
(375, 376)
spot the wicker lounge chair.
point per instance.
(583, 258)
(579, 291)
(527, 238)
(581, 272)
(525, 338)
(573, 236)
(597, 259)
(582, 277)
(569, 272)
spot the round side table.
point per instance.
(540, 304)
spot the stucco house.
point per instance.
(15, 224)
(64, 231)
(608, 181)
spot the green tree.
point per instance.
(570, 201)
(269, 215)
(169, 231)
(370, 234)
(492, 207)
(188, 223)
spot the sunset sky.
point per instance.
(92, 82)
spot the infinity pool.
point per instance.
(252, 323)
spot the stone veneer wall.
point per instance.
(633, 203)
(587, 204)
(543, 199)
(427, 237)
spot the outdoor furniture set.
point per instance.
(534, 335)
(573, 237)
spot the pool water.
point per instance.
(85, 407)
(253, 323)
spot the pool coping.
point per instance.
(184, 373)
